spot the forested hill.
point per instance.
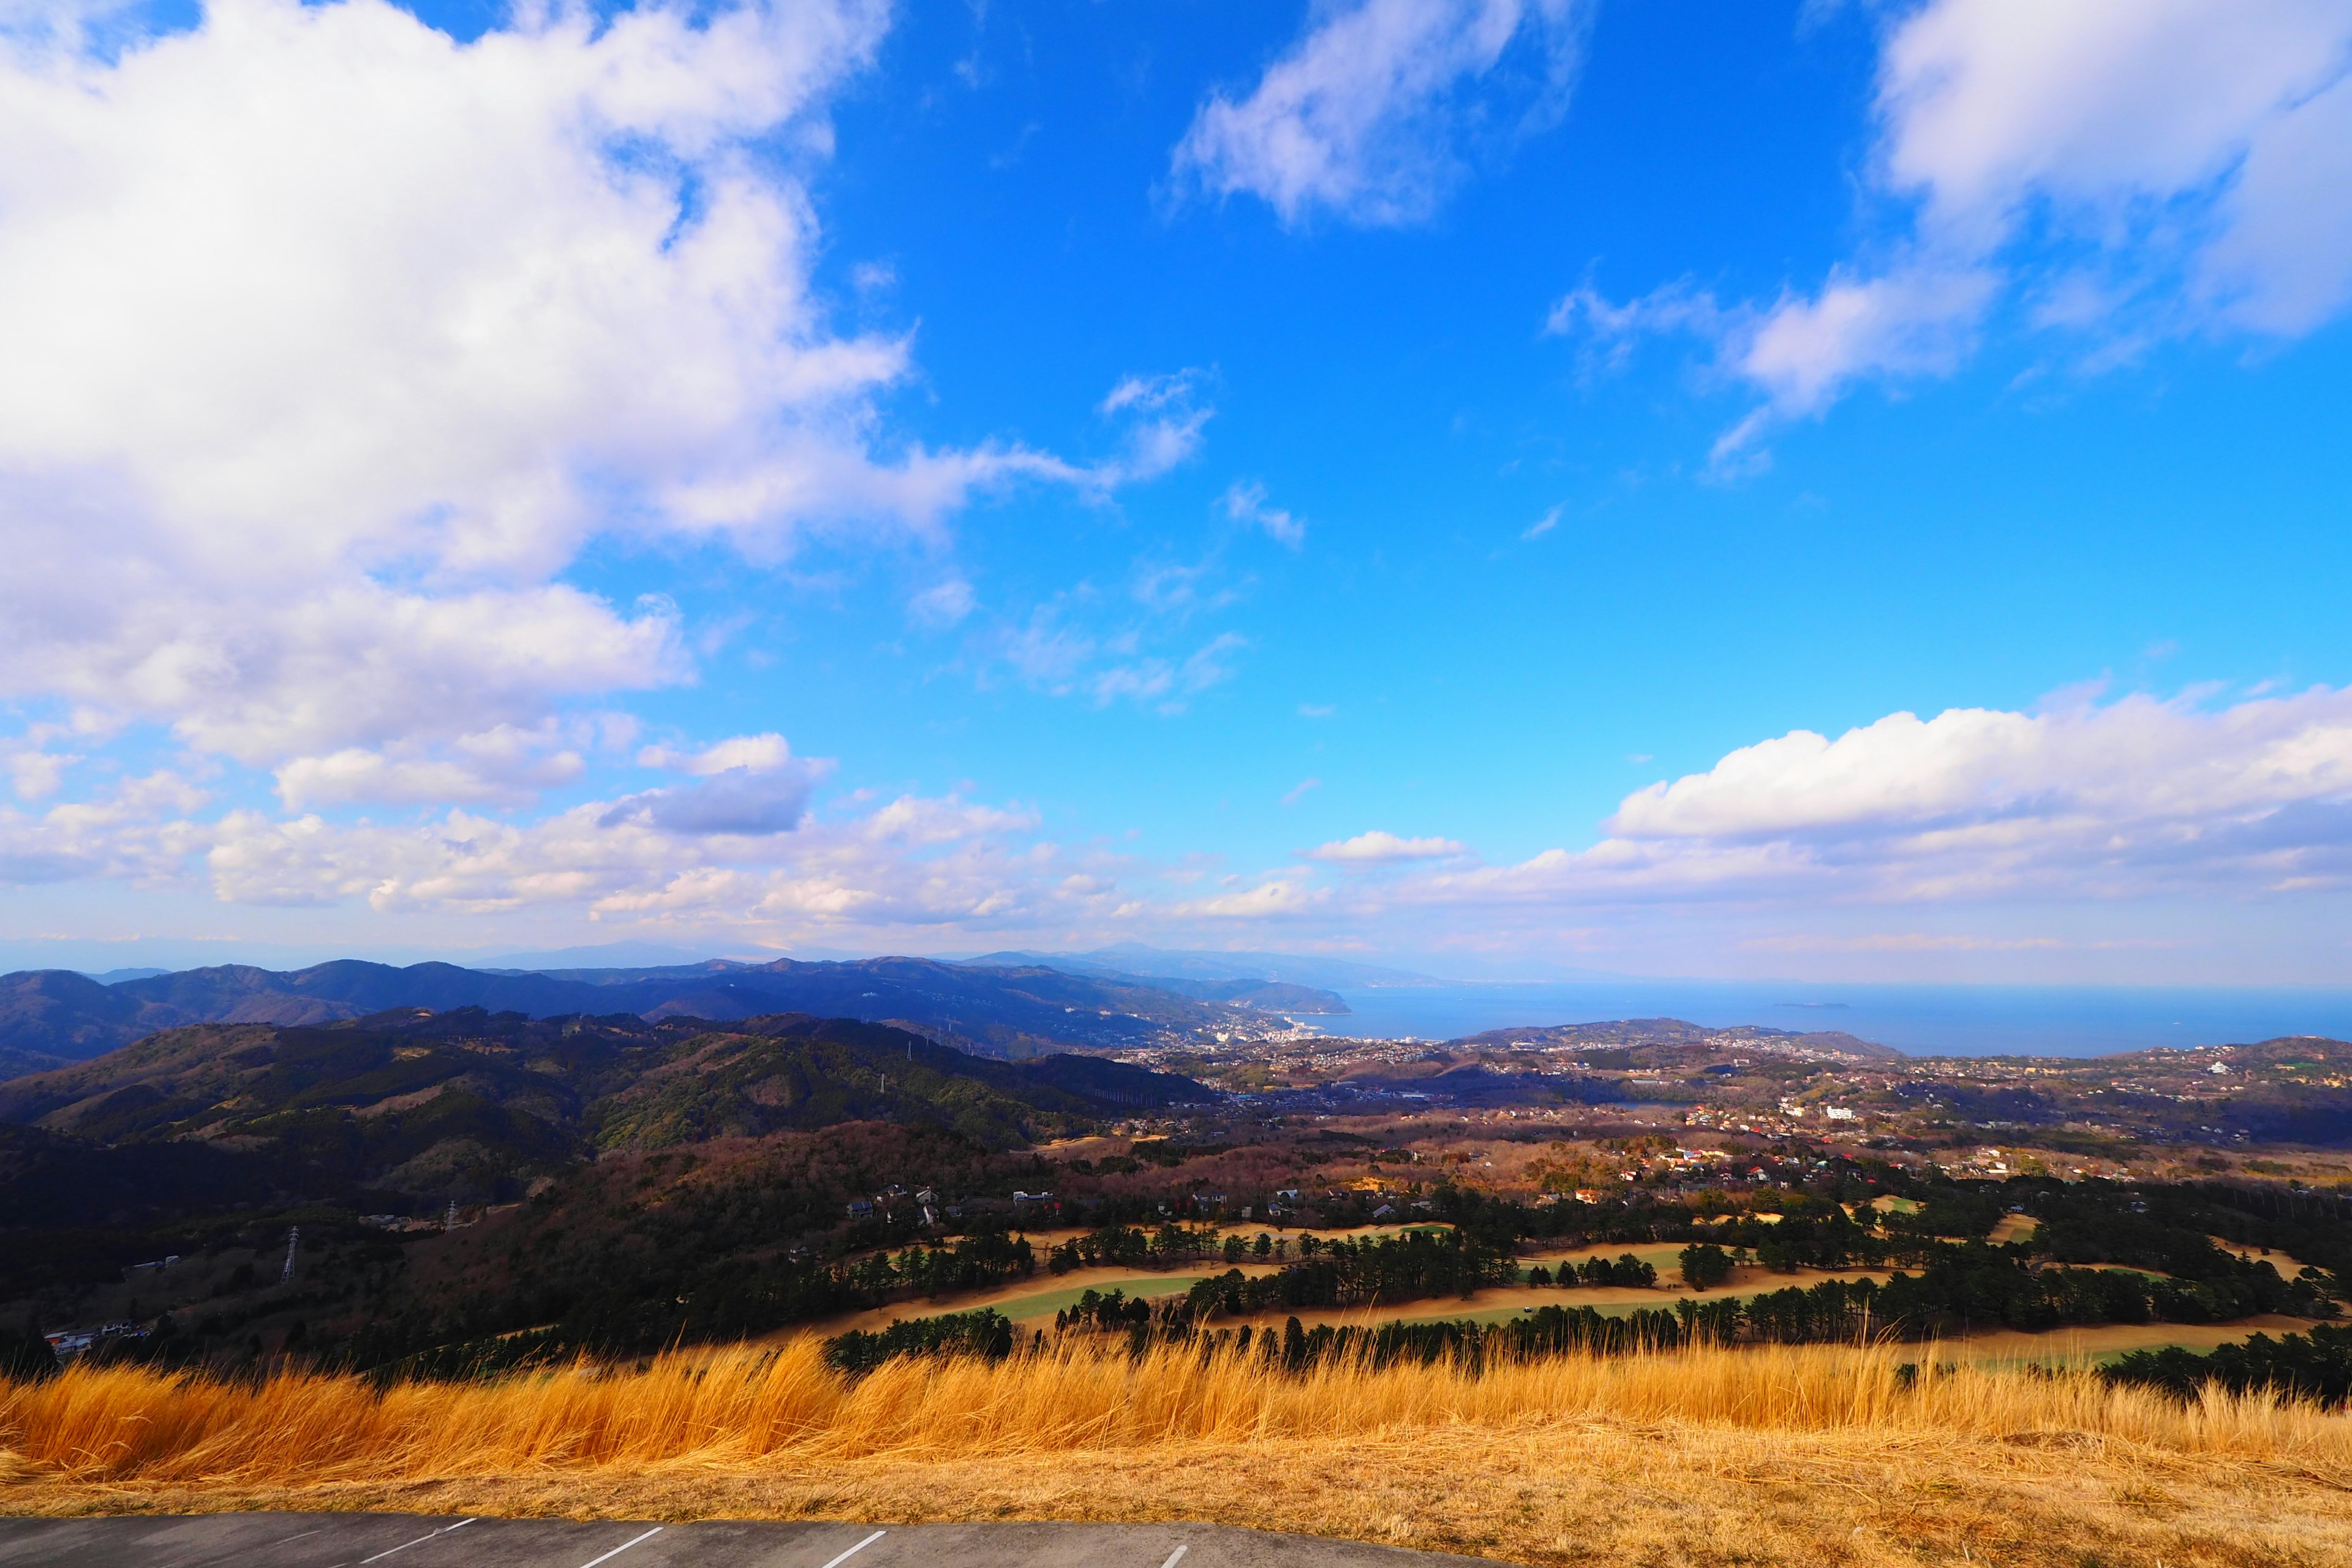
(50, 1016)
(474, 1105)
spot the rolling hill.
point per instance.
(472, 1105)
(50, 1016)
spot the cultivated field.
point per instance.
(1756, 1456)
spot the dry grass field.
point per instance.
(1756, 1456)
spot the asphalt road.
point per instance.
(411, 1540)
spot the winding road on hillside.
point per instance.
(410, 1540)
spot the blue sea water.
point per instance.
(1918, 1020)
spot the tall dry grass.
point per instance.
(737, 1409)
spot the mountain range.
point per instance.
(48, 1017)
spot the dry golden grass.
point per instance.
(1753, 1456)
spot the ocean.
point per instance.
(1918, 1020)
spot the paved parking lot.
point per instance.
(411, 1540)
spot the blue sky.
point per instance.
(1842, 490)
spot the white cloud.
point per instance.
(1065, 660)
(1379, 849)
(1269, 901)
(1987, 105)
(2137, 760)
(332, 341)
(139, 833)
(2136, 798)
(944, 603)
(1166, 415)
(1300, 791)
(357, 774)
(1542, 525)
(2020, 821)
(2283, 262)
(1245, 502)
(910, 862)
(1168, 683)
(34, 769)
(1676, 307)
(2139, 167)
(1804, 352)
(1149, 392)
(753, 753)
(749, 784)
(1369, 115)
(740, 801)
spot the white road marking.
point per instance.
(1175, 1557)
(418, 1542)
(648, 1535)
(853, 1551)
(240, 1552)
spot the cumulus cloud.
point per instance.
(1370, 116)
(911, 862)
(2186, 165)
(1379, 849)
(137, 832)
(357, 774)
(2122, 804)
(32, 767)
(750, 753)
(2128, 800)
(742, 801)
(333, 340)
(747, 784)
(1275, 899)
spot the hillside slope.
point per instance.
(49, 1015)
(471, 1105)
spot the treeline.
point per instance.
(983, 1333)
(2317, 1365)
(1548, 1331)
(1129, 1246)
(1970, 1287)
(1412, 1266)
(1627, 1269)
(1112, 1309)
(1974, 1286)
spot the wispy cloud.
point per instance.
(1375, 113)
(1245, 502)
